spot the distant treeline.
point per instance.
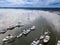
(31, 8)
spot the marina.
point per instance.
(36, 29)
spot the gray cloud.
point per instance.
(31, 3)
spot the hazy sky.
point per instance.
(29, 3)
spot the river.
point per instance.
(38, 20)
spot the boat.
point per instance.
(20, 35)
(40, 44)
(9, 39)
(35, 42)
(58, 43)
(26, 31)
(42, 37)
(19, 25)
(45, 33)
(11, 28)
(33, 28)
(46, 39)
(3, 31)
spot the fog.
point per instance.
(10, 17)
